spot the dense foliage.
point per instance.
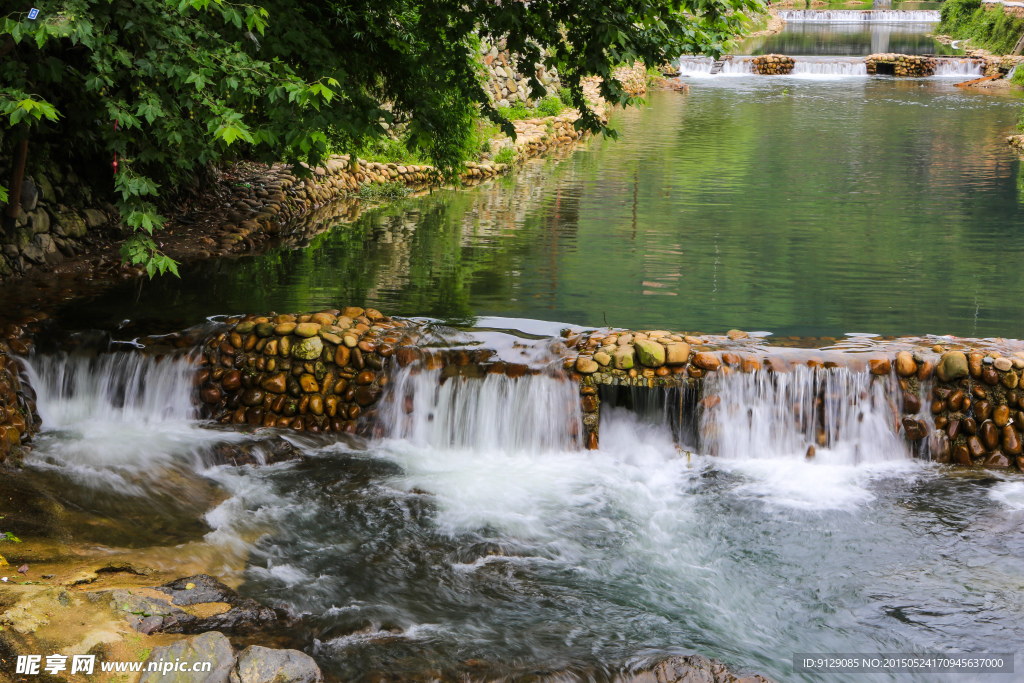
(991, 29)
(193, 83)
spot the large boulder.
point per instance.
(264, 665)
(308, 349)
(650, 353)
(94, 218)
(952, 366)
(623, 357)
(213, 648)
(72, 224)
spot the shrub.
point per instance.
(550, 106)
(565, 96)
(506, 155)
(389, 190)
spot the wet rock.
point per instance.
(650, 353)
(1011, 442)
(914, 429)
(308, 349)
(677, 354)
(997, 461)
(264, 330)
(1001, 416)
(961, 456)
(706, 361)
(308, 383)
(1010, 380)
(244, 614)
(690, 669)
(880, 366)
(974, 364)
(952, 366)
(210, 394)
(263, 452)
(231, 381)
(911, 402)
(367, 395)
(252, 397)
(306, 330)
(264, 665)
(624, 357)
(209, 647)
(982, 410)
(736, 335)
(284, 329)
(603, 358)
(1002, 364)
(989, 376)
(275, 384)
(989, 434)
(586, 365)
(905, 365)
(974, 447)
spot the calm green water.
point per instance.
(801, 207)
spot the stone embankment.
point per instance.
(772, 65)
(506, 81)
(19, 420)
(892, 64)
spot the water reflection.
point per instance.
(847, 39)
(799, 207)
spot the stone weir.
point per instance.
(951, 400)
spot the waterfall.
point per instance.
(111, 387)
(830, 67)
(849, 417)
(119, 414)
(700, 67)
(531, 413)
(837, 16)
(959, 67)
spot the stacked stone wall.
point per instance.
(900, 65)
(1014, 9)
(505, 79)
(772, 65)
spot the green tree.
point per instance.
(192, 84)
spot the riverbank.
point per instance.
(248, 204)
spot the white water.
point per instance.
(849, 417)
(117, 412)
(958, 67)
(847, 16)
(533, 413)
(700, 67)
(828, 68)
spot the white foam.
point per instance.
(1009, 493)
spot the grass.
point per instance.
(991, 30)
(551, 105)
(506, 155)
(392, 189)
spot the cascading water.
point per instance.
(700, 67)
(118, 412)
(848, 16)
(959, 67)
(850, 416)
(829, 67)
(531, 413)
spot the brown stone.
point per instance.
(911, 402)
(385, 350)
(352, 312)
(709, 402)
(283, 329)
(982, 410)
(1001, 416)
(1011, 442)
(306, 330)
(880, 366)
(997, 461)
(252, 397)
(365, 377)
(210, 394)
(236, 340)
(1002, 364)
(231, 381)
(925, 370)
(989, 376)
(736, 335)
(316, 404)
(953, 428)
(914, 429)
(309, 384)
(974, 447)
(323, 319)
(677, 354)
(905, 365)
(969, 425)
(952, 366)
(955, 400)
(938, 406)
(941, 422)
(1013, 398)
(1010, 380)
(974, 363)
(750, 364)
(706, 361)
(989, 434)
(589, 404)
(587, 365)
(275, 384)
(367, 395)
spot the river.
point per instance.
(478, 543)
